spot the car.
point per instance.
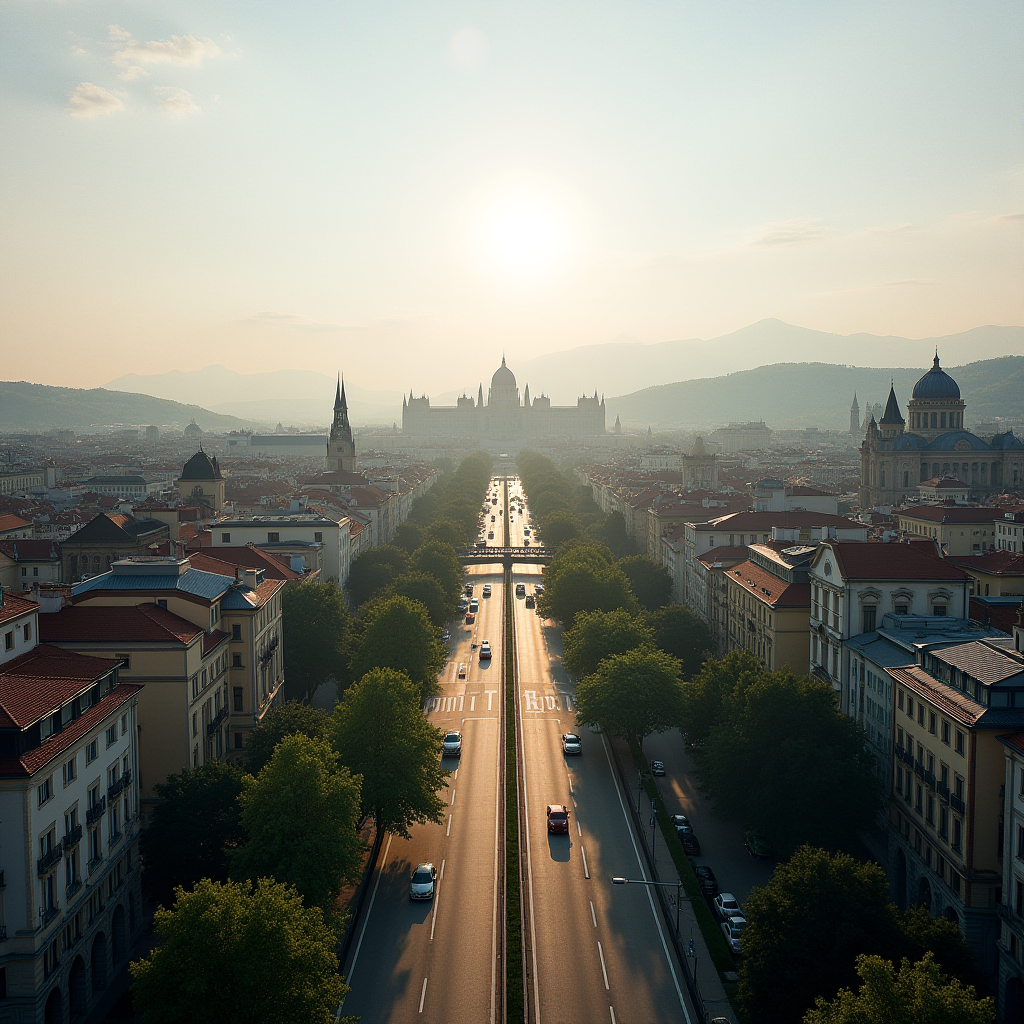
(526, 531)
(445, 637)
(451, 745)
(706, 879)
(485, 651)
(733, 931)
(487, 590)
(691, 844)
(539, 589)
(657, 768)
(492, 519)
(526, 542)
(681, 823)
(469, 589)
(494, 501)
(571, 743)
(531, 601)
(558, 818)
(520, 590)
(474, 605)
(462, 670)
(463, 604)
(726, 906)
(490, 535)
(423, 882)
(756, 844)
(470, 618)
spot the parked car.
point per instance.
(757, 846)
(539, 589)
(474, 605)
(733, 931)
(691, 844)
(485, 651)
(520, 590)
(490, 535)
(462, 670)
(726, 906)
(423, 881)
(706, 879)
(487, 590)
(470, 618)
(463, 604)
(681, 823)
(531, 601)
(558, 818)
(451, 745)
(657, 768)
(571, 743)
(469, 589)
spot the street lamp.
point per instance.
(678, 886)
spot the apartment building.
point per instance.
(1010, 532)
(769, 605)
(996, 573)
(710, 591)
(1010, 946)
(70, 903)
(956, 529)
(25, 563)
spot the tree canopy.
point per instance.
(408, 536)
(582, 578)
(447, 531)
(234, 954)
(916, 993)
(421, 587)
(374, 570)
(709, 696)
(397, 633)
(597, 635)
(439, 560)
(560, 526)
(381, 734)
(300, 816)
(318, 631)
(631, 695)
(285, 719)
(193, 829)
(679, 632)
(650, 582)
(782, 754)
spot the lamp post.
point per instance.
(678, 886)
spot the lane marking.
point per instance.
(586, 870)
(449, 831)
(579, 831)
(453, 799)
(472, 702)
(611, 1010)
(604, 969)
(593, 916)
(643, 875)
(490, 698)
(442, 869)
(433, 912)
(423, 994)
(369, 909)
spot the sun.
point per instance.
(523, 236)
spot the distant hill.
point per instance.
(813, 394)
(35, 407)
(292, 397)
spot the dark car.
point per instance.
(691, 844)
(706, 879)
(531, 601)
(682, 824)
(657, 768)
(757, 846)
(558, 818)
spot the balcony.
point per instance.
(929, 778)
(49, 859)
(942, 789)
(218, 721)
(47, 914)
(905, 756)
(114, 839)
(268, 651)
(73, 837)
(94, 863)
(120, 785)
(919, 769)
(957, 804)
(73, 887)
(94, 813)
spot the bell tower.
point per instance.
(341, 449)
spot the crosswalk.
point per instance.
(459, 702)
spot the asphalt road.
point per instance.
(599, 953)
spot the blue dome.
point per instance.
(936, 384)
(958, 440)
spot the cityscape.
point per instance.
(512, 515)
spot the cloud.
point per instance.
(176, 102)
(134, 56)
(798, 231)
(297, 321)
(88, 100)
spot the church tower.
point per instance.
(855, 416)
(341, 449)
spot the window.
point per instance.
(70, 771)
(899, 699)
(124, 725)
(910, 706)
(195, 723)
(236, 631)
(869, 615)
(273, 537)
(938, 609)
(236, 661)
(45, 790)
(958, 828)
(112, 735)
(931, 722)
(318, 537)
(1020, 842)
(27, 630)
(91, 752)
(945, 733)
(902, 609)
(238, 741)
(944, 822)
(237, 696)
(9, 641)
(959, 742)
(225, 538)
(920, 713)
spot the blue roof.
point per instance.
(207, 585)
(903, 442)
(880, 650)
(937, 384)
(239, 600)
(1005, 442)
(948, 442)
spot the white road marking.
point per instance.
(579, 831)
(532, 704)
(490, 697)
(369, 909)
(442, 869)
(433, 912)
(449, 831)
(453, 798)
(604, 969)
(593, 916)
(472, 702)
(423, 994)
(643, 875)
(611, 1010)
(533, 915)
(462, 701)
(586, 870)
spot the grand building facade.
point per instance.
(505, 418)
(897, 454)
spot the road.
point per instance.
(437, 962)
(600, 953)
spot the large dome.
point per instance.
(201, 467)
(503, 378)
(936, 384)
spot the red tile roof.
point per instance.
(12, 522)
(768, 588)
(213, 640)
(957, 705)
(135, 624)
(1014, 740)
(223, 560)
(31, 550)
(864, 560)
(999, 563)
(41, 680)
(950, 514)
(724, 554)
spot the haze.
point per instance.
(404, 191)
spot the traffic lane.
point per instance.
(721, 839)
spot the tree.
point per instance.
(318, 632)
(381, 735)
(783, 757)
(192, 830)
(233, 954)
(650, 582)
(397, 633)
(631, 695)
(300, 815)
(679, 632)
(921, 933)
(582, 578)
(373, 571)
(612, 533)
(285, 719)
(708, 696)
(804, 930)
(559, 526)
(446, 531)
(408, 536)
(419, 586)
(597, 635)
(440, 561)
(917, 993)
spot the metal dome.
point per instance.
(201, 467)
(936, 384)
(503, 377)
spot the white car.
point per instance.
(485, 651)
(487, 590)
(727, 906)
(421, 885)
(733, 931)
(451, 745)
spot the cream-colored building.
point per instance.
(202, 482)
(956, 529)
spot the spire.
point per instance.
(892, 412)
(344, 401)
(935, 362)
(480, 390)
(526, 397)
(337, 395)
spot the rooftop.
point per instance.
(106, 624)
(950, 514)
(864, 560)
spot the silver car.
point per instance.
(423, 882)
(733, 930)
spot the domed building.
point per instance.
(202, 482)
(505, 420)
(898, 455)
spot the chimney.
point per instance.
(52, 597)
(248, 577)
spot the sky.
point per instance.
(405, 190)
